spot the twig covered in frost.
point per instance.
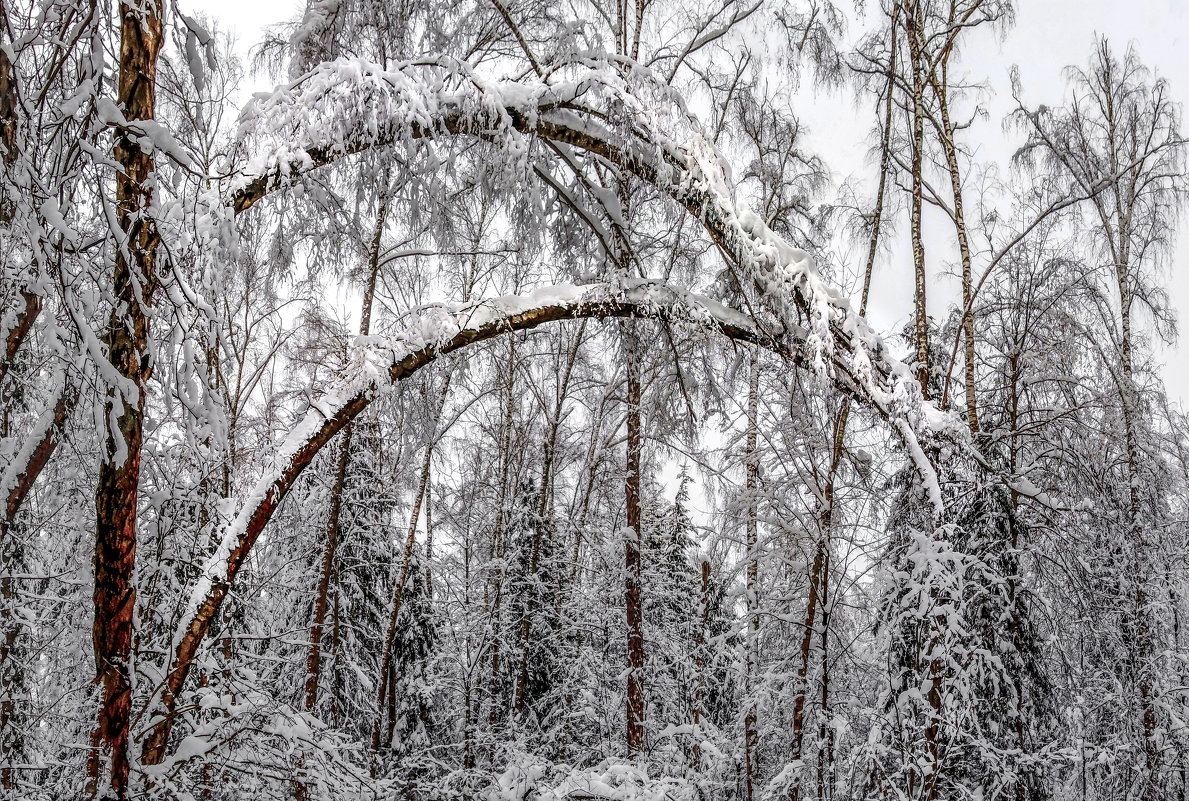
(380, 362)
(350, 106)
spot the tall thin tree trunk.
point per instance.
(321, 599)
(825, 733)
(1015, 623)
(495, 680)
(429, 538)
(916, 34)
(751, 486)
(468, 728)
(816, 579)
(334, 512)
(1143, 651)
(325, 575)
(699, 710)
(580, 507)
(633, 559)
(885, 159)
(950, 148)
(539, 531)
(387, 675)
(921, 314)
(819, 572)
(821, 589)
(134, 284)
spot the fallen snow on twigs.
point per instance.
(350, 105)
(609, 780)
(426, 331)
(627, 116)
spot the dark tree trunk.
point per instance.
(633, 560)
(127, 341)
(699, 710)
(387, 679)
(198, 625)
(317, 626)
(549, 456)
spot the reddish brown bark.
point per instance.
(127, 338)
(9, 109)
(9, 116)
(633, 559)
(20, 330)
(38, 459)
(321, 598)
(200, 621)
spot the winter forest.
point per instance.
(493, 409)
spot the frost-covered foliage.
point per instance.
(489, 412)
(349, 105)
(617, 782)
(966, 706)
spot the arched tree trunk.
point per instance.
(738, 241)
(320, 427)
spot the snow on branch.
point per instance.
(378, 363)
(349, 106)
(607, 781)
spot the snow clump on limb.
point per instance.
(627, 117)
(531, 778)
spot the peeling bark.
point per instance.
(127, 342)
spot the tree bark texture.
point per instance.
(633, 558)
(751, 487)
(127, 341)
(921, 313)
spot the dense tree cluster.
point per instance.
(487, 412)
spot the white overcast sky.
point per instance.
(1048, 35)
